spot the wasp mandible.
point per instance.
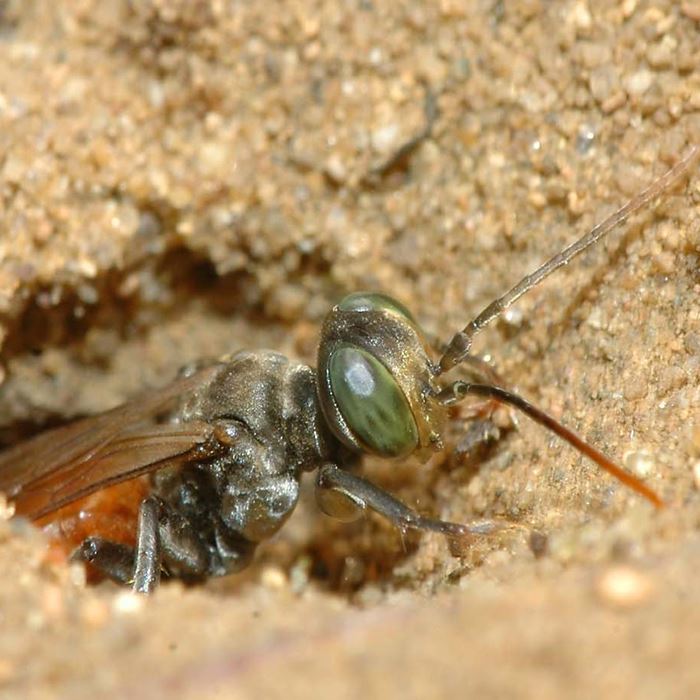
(218, 455)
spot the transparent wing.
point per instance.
(65, 464)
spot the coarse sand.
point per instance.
(183, 178)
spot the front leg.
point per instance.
(344, 495)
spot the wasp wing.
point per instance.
(68, 463)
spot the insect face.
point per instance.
(376, 380)
(378, 386)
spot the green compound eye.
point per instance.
(370, 301)
(371, 402)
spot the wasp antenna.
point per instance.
(457, 391)
(460, 344)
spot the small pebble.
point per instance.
(128, 603)
(691, 10)
(7, 509)
(640, 462)
(94, 612)
(635, 388)
(273, 578)
(695, 438)
(53, 603)
(7, 670)
(696, 474)
(77, 574)
(539, 544)
(384, 138)
(638, 83)
(624, 587)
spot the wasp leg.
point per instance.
(234, 552)
(483, 431)
(149, 553)
(185, 553)
(477, 439)
(139, 566)
(169, 540)
(184, 547)
(341, 493)
(111, 559)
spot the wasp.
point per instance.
(210, 466)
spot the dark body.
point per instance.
(268, 430)
(224, 448)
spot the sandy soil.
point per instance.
(182, 178)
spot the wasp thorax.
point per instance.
(376, 380)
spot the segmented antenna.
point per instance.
(459, 390)
(461, 343)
